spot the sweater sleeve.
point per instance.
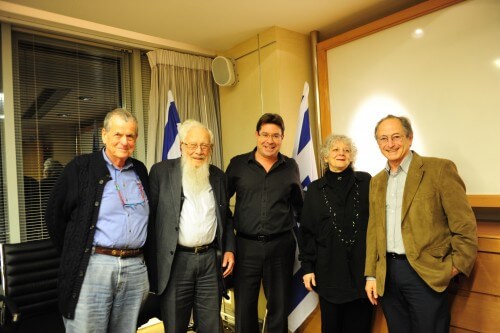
(58, 211)
(307, 244)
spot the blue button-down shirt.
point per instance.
(123, 216)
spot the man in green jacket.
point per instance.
(421, 233)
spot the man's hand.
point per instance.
(454, 271)
(309, 281)
(228, 263)
(371, 291)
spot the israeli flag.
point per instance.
(303, 301)
(171, 141)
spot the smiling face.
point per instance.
(196, 146)
(339, 157)
(393, 141)
(119, 139)
(269, 140)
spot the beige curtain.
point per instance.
(195, 94)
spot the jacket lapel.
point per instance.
(216, 190)
(380, 191)
(176, 187)
(413, 180)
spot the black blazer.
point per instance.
(338, 268)
(166, 193)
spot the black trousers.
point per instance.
(351, 317)
(410, 305)
(272, 264)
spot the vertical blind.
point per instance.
(62, 92)
(146, 87)
(4, 232)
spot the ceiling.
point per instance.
(222, 24)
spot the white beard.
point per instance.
(194, 179)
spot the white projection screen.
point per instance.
(445, 77)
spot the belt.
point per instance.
(396, 256)
(196, 249)
(262, 238)
(122, 253)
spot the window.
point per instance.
(62, 91)
(3, 205)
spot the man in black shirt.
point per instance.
(268, 197)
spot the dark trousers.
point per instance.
(272, 264)
(410, 305)
(193, 286)
(350, 317)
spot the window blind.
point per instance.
(4, 232)
(62, 92)
(146, 88)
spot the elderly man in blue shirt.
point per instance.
(97, 217)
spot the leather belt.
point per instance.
(122, 253)
(396, 256)
(262, 238)
(195, 249)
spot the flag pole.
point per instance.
(317, 129)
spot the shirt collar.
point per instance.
(128, 163)
(405, 164)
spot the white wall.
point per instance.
(446, 82)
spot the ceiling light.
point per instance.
(418, 33)
(85, 98)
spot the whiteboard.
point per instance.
(446, 80)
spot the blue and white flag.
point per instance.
(303, 301)
(171, 141)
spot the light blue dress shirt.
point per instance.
(123, 215)
(394, 203)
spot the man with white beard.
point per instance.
(192, 222)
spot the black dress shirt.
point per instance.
(267, 203)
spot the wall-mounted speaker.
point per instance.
(224, 71)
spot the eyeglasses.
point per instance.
(396, 138)
(193, 146)
(124, 201)
(275, 137)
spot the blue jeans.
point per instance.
(112, 293)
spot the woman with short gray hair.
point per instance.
(333, 229)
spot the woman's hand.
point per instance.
(309, 281)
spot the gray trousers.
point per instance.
(193, 286)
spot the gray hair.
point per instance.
(188, 125)
(405, 122)
(330, 141)
(52, 168)
(122, 113)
